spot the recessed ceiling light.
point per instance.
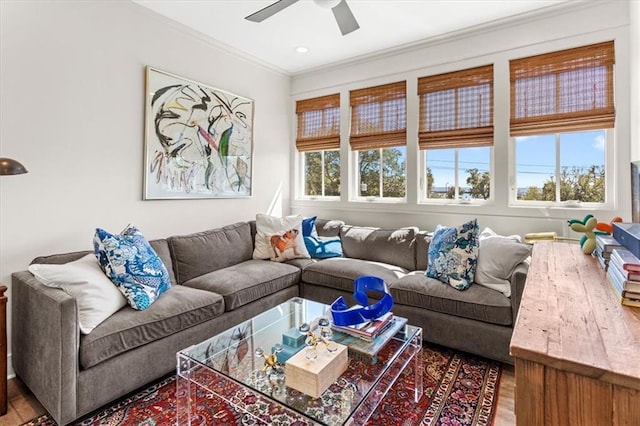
(301, 49)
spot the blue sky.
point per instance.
(535, 158)
(535, 155)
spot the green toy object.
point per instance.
(586, 225)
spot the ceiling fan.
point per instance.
(341, 11)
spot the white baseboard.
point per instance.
(10, 373)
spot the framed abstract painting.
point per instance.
(198, 140)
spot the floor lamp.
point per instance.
(8, 166)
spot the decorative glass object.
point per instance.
(318, 333)
(271, 365)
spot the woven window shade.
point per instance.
(570, 90)
(379, 117)
(318, 123)
(456, 109)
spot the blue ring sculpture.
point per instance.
(345, 316)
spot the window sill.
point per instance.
(318, 198)
(377, 200)
(563, 206)
(450, 202)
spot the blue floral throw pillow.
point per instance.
(132, 265)
(453, 254)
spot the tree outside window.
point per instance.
(322, 173)
(382, 172)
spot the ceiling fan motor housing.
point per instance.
(327, 4)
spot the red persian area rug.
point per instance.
(459, 389)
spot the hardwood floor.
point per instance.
(23, 406)
(505, 413)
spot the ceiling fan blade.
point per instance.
(345, 19)
(270, 10)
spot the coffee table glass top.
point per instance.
(229, 366)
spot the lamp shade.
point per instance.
(9, 166)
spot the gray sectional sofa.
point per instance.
(215, 285)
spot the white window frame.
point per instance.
(302, 178)
(423, 199)
(609, 172)
(355, 184)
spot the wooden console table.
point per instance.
(576, 348)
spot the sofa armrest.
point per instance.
(45, 342)
(518, 279)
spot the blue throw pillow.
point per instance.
(323, 247)
(309, 226)
(132, 265)
(453, 254)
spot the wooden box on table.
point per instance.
(313, 377)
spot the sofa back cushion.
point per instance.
(393, 246)
(328, 227)
(161, 247)
(203, 252)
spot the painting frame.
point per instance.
(198, 140)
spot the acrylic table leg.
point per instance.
(184, 398)
(418, 365)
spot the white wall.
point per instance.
(583, 24)
(72, 111)
(634, 17)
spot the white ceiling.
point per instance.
(384, 25)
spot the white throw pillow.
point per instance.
(488, 232)
(96, 296)
(498, 257)
(279, 238)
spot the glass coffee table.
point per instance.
(229, 366)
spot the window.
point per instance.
(561, 108)
(318, 141)
(378, 137)
(456, 133)
(577, 163)
(322, 173)
(382, 172)
(458, 173)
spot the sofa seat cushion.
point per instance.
(476, 302)
(339, 272)
(247, 281)
(177, 309)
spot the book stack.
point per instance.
(369, 330)
(624, 275)
(604, 246)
